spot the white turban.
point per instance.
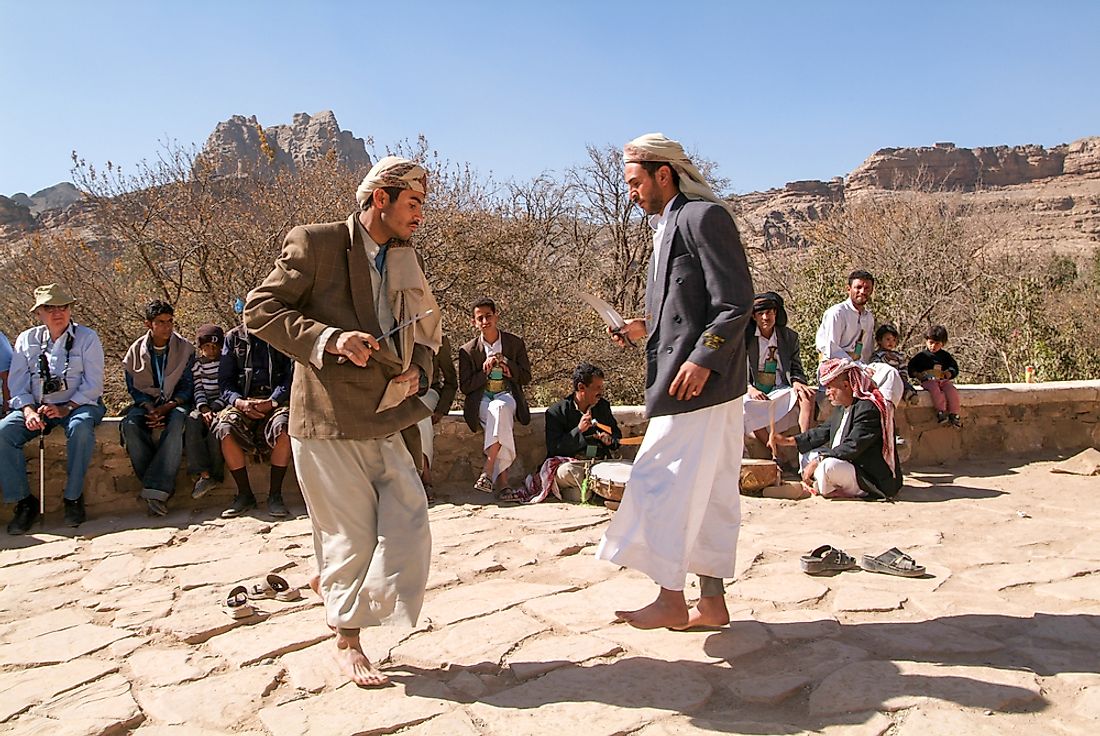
(656, 147)
(392, 171)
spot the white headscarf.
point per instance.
(392, 171)
(656, 147)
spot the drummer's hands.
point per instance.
(803, 390)
(633, 331)
(585, 423)
(604, 438)
(808, 472)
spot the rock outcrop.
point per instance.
(1047, 197)
(241, 146)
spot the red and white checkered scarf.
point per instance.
(863, 387)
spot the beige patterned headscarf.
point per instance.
(392, 171)
(656, 147)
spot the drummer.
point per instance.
(582, 427)
(778, 387)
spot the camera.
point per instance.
(54, 384)
(50, 384)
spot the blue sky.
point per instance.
(771, 91)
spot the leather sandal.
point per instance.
(827, 559)
(893, 562)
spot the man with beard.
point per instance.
(336, 289)
(681, 511)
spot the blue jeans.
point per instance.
(204, 449)
(155, 463)
(79, 446)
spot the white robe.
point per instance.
(681, 511)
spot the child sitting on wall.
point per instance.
(204, 453)
(936, 370)
(886, 340)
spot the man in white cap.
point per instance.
(56, 380)
(335, 290)
(681, 510)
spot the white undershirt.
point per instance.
(658, 222)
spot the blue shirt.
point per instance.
(81, 366)
(5, 353)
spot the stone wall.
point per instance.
(1014, 420)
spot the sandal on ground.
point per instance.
(236, 603)
(484, 483)
(826, 559)
(273, 586)
(893, 562)
(515, 495)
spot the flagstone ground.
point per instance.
(118, 628)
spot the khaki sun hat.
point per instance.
(51, 295)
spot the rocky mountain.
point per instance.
(56, 197)
(1047, 197)
(240, 146)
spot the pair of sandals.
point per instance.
(237, 602)
(827, 559)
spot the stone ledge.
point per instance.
(1015, 419)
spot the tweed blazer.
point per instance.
(322, 279)
(789, 361)
(698, 302)
(472, 378)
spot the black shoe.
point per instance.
(241, 503)
(26, 512)
(941, 417)
(74, 512)
(276, 507)
(954, 419)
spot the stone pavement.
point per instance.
(119, 629)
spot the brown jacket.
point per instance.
(471, 376)
(322, 279)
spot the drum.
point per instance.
(608, 479)
(756, 475)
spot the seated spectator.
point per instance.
(886, 340)
(5, 366)
(847, 327)
(936, 370)
(492, 370)
(580, 429)
(204, 451)
(854, 456)
(438, 398)
(255, 383)
(777, 383)
(56, 380)
(159, 380)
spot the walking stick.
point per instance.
(42, 478)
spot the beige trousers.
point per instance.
(370, 528)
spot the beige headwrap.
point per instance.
(656, 147)
(392, 171)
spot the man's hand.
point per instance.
(353, 345)
(689, 381)
(757, 395)
(32, 420)
(207, 417)
(54, 411)
(803, 390)
(411, 379)
(489, 364)
(634, 330)
(605, 438)
(250, 407)
(585, 423)
(808, 473)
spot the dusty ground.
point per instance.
(120, 629)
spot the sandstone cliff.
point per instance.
(240, 146)
(1048, 198)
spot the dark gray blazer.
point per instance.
(698, 307)
(789, 360)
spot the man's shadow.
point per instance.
(842, 672)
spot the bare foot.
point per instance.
(669, 611)
(355, 665)
(315, 585)
(710, 611)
